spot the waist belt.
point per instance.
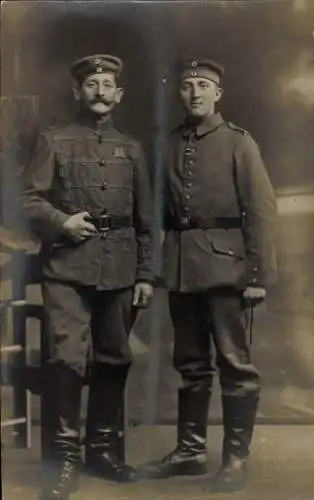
(104, 222)
(186, 223)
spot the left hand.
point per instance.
(143, 294)
(254, 295)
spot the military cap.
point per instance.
(100, 63)
(203, 68)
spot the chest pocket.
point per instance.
(79, 173)
(119, 173)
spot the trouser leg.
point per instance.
(192, 358)
(239, 381)
(68, 318)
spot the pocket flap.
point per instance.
(63, 165)
(228, 244)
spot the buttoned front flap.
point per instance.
(227, 243)
(119, 165)
(79, 182)
(79, 172)
(101, 181)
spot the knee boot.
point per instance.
(238, 420)
(190, 455)
(65, 388)
(106, 398)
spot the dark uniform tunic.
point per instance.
(95, 168)
(219, 217)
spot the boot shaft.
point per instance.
(66, 389)
(105, 411)
(239, 414)
(193, 406)
(106, 396)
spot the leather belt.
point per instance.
(104, 222)
(186, 222)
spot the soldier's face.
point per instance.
(99, 93)
(199, 96)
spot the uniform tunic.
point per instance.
(215, 171)
(85, 167)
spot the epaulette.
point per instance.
(126, 135)
(236, 128)
(178, 128)
(57, 124)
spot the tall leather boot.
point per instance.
(65, 387)
(105, 404)
(238, 419)
(190, 455)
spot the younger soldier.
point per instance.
(218, 251)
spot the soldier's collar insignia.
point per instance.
(119, 152)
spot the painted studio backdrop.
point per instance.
(267, 50)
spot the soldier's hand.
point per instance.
(254, 295)
(143, 294)
(78, 227)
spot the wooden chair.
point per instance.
(25, 271)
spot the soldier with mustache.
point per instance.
(88, 198)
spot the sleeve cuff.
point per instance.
(255, 277)
(59, 219)
(145, 277)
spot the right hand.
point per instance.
(78, 227)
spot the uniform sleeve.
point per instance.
(44, 218)
(143, 217)
(258, 202)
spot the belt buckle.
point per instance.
(104, 222)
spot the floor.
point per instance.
(282, 466)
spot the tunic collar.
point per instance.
(89, 120)
(203, 127)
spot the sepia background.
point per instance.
(267, 50)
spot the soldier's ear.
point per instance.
(219, 92)
(76, 91)
(119, 94)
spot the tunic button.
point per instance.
(189, 185)
(189, 173)
(189, 150)
(190, 162)
(104, 186)
(187, 196)
(102, 163)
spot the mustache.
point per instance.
(100, 100)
